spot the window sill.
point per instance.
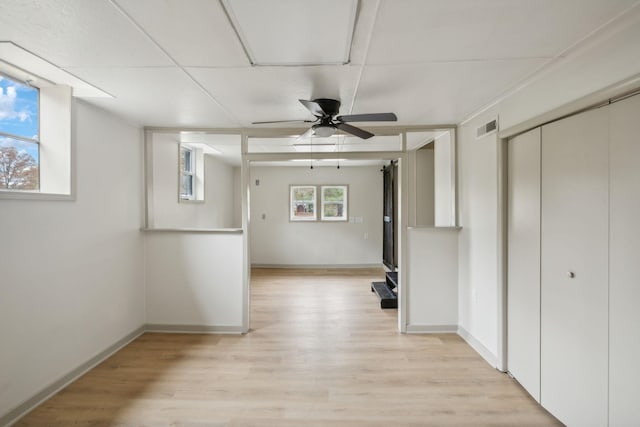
(187, 201)
(28, 195)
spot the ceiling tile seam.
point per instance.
(459, 61)
(549, 65)
(139, 27)
(245, 49)
(364, 59)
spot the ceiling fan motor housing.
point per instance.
(330, 106)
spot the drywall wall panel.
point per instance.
(478, 238)
(433, 279)
(219, 208)
(277, 241)
(424, 199)
(194, 279)
(72, 271)
(444, 181)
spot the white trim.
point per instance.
(502, 262)
(319, 266)
(245, 185)
(47, 392)
(192, 230)
(403, 221)
(148, 179)
(478, 346)
(432, 329)
(193, 329)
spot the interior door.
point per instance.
(624, 289)
(574, 269)
(523, 296)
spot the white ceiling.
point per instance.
(176, 63)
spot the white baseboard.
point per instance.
(432, 329)
(318, 266)
(193, 329)
(478, 347)
(30, 404)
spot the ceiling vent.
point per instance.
(487, 129)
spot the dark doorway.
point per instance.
(390, 212)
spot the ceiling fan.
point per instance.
(327, 121)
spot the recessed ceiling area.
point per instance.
(334, 144)
(225, 148)
(179, 64)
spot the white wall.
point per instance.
(478, 239)
(424, 199)
(444, 181)
(277, 241)
(219, 208)
(194, 279)
(607, 59)
(432, 279)
(72, 271)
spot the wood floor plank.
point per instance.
(320, 353)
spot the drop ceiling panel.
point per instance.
(438, 93)
(445, 30)
(77, 33)
(285, 32)
(194, 33)
(272, 93)
(156, 97)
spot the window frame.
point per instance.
(292, 211)
(345, 203)
(35, 141)
(183, 172)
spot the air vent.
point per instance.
(487, 128)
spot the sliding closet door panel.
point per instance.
(524, 260)
(624, 267)
(574, 268)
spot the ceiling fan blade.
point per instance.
(307, 134)
(282, 121)
(314, 107)
(374, 117)
(354, 130)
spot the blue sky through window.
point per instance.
(19, 115)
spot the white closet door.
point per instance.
(523, 306)
(574, 269)
(624, 267)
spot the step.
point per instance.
(388, 298)
(392, 279)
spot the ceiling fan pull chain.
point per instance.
(311, 151)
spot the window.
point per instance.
(187, 173)
(19, 136)
(333, 201)
(303, 203)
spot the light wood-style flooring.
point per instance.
(321, 353)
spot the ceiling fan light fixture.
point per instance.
(323, 131)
